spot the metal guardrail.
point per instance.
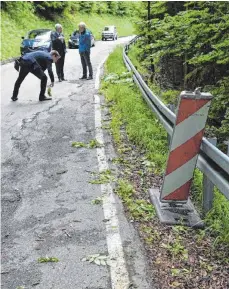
(211, 161)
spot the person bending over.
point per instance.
(36, 63)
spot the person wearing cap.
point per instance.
(58, 44)
(84, 50)
(36, 63)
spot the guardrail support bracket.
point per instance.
(175, 213)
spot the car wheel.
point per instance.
(69, 46)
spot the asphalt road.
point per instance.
(47, 205)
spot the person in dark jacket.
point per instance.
(85, 50)
(36, 63)
(58, 44)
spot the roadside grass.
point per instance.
(131, 110)
(180, 256)
(17, 24)
(138, 209)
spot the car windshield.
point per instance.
(108, 28)
(39, 34)
(75, 33)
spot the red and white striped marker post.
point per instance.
(185, 145)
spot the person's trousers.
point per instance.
(60, 67)
(86, 62)
(34, 69)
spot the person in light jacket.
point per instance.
(85, 50)
(58, 44)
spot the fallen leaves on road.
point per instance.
(47, 259)
(49, 91)
(91, 145)
(78, 144)
(97, 259)
(103, 177)
(97, 201)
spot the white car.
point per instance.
(109, 32)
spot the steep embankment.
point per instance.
(14, 27)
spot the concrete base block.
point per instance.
(175, 214)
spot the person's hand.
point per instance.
(52, 84)
(61, 38)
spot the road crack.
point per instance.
(36, 115)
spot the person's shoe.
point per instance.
(89, 78)
(14, 98)
(43, 98)
(60, 80)
(63, 79)
(83, 77)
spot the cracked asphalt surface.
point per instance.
(46, 194)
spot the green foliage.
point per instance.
(78, 144)
(92, 144)
(16, 8)
(198, 33)
(217, 218)
(175, 248)
(218, 118)
(139, 210)
(195, 33)
(131, 109)
(97, 201)
(49, 91)
(48, 8)
(103, 177)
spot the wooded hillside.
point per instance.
(20, 16)
(185, 45)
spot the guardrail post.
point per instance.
(174, 203)
(208, 186)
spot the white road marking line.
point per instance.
(97, 78)
(118, 269)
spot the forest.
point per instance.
(185, 45)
